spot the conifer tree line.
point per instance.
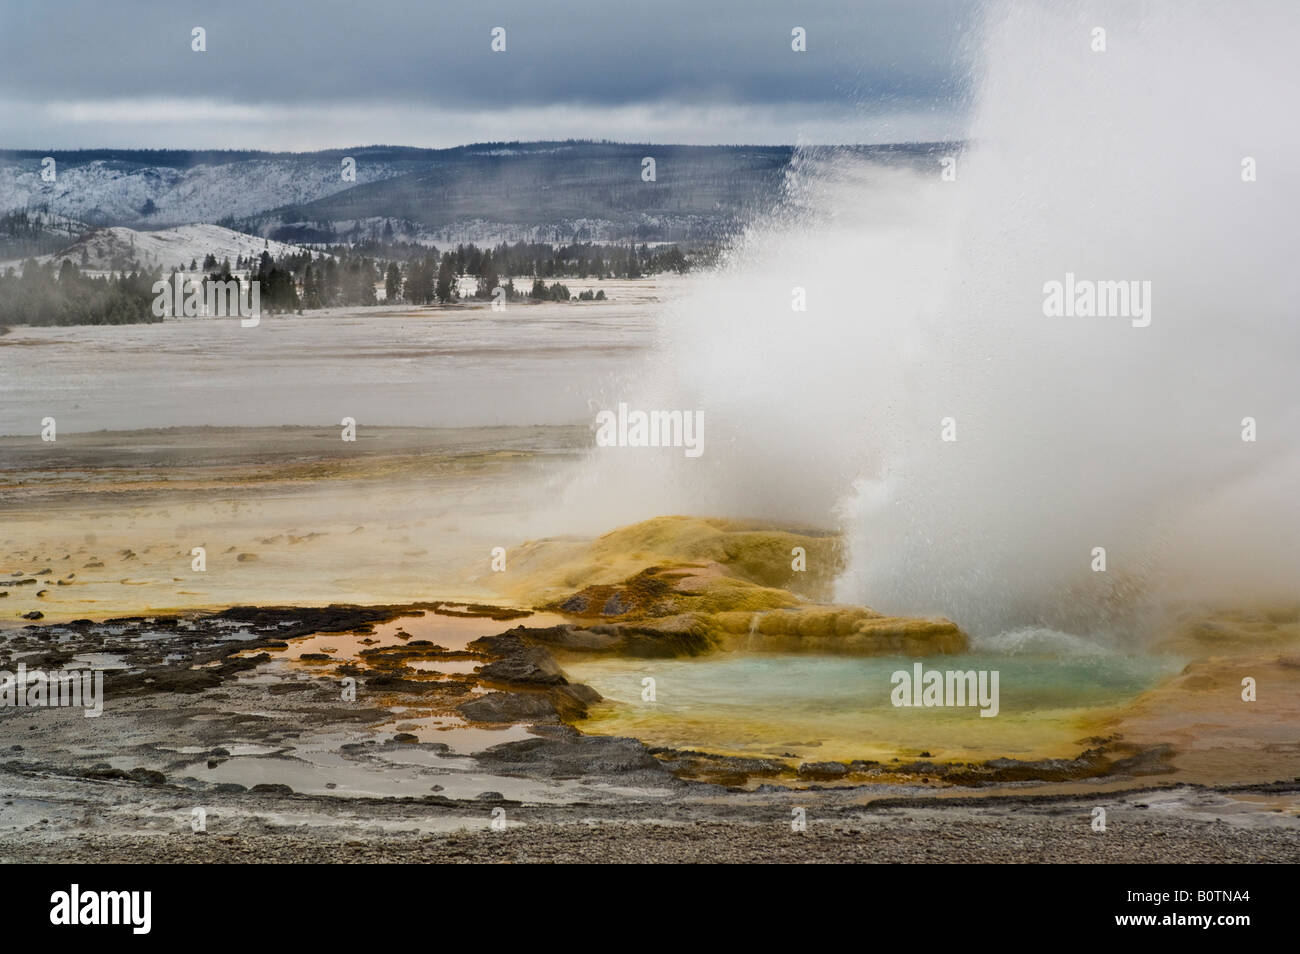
(60, 294)
(341, 276)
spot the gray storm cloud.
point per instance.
(423, 74)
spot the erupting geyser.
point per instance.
(1158, 443)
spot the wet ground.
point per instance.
(234, 736)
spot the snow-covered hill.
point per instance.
(110, 191)
(485, 193)
(115, 248)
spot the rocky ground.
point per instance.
(130, 821)
(233, 737)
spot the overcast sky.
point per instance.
(328, 73)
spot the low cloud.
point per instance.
(150, 122)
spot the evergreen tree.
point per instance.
(446, 273)
(420, 280)
(488, 279)
(392, 281)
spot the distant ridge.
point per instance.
(573, 190)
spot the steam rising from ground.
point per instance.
(925, 301)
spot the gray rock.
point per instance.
(272, 788)
(530, 666)
(510, 707)
(574, 757)
(615, 606)
(823, 770)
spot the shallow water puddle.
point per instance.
(459, 736)
(318, 654)
(451, 667)
(450, 632)
(322, 772)
(102, 661)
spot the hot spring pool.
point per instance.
(835, 708)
